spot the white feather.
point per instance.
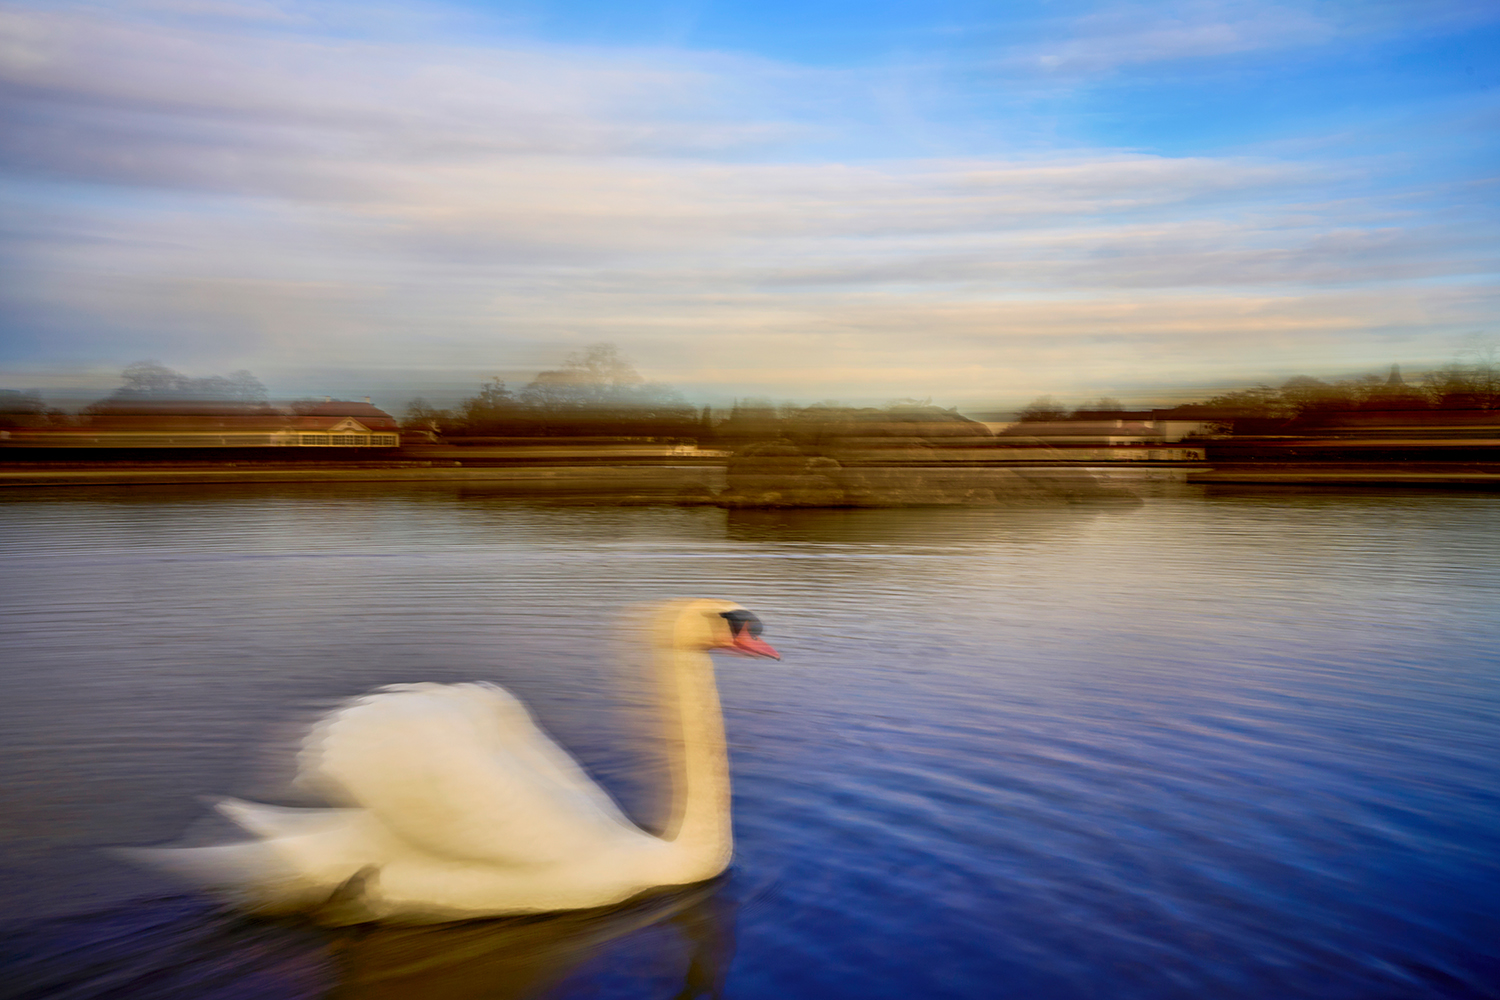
(454, 803)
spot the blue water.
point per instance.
(1223, 744)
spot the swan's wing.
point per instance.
(278, 821)
(520, 735)
(462, 772)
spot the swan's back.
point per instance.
(461, 772)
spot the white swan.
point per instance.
(458, 805)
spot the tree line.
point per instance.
(597, 391)
(1470, 383)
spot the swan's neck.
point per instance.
(698, 825)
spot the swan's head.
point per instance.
(721, 626)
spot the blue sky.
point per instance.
(975, 202)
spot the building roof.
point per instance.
(331, 411)
(307, 423)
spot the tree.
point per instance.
(485, 412)
(1389, 393)
(598, 378)
(1043, 408)
(753, 419)
(1104, 404)
(1470, 383)
(151, 381)
(26, 409)
(1261, 402)
(422, 415)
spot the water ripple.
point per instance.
(1222, 745)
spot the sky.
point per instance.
(977, 203)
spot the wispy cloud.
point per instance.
(1148, 33)
(195, 190)
(118, 101)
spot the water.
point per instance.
(1223, 744)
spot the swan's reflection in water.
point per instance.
(186, 948)
(520, 957)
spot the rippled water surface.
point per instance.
(1219, 745)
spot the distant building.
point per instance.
(342, 424)
(1113, 436)
(220, 424)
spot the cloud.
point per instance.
(118, 101)
(191, 189)
(1126, 35)
(1120, 36)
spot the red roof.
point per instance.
(382, 425)
(330, 413)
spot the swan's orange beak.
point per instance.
(746, 644)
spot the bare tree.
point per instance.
(1104, 404)
(597, 378)
(152, 381)
(1472, 382)
(422, 415)
(1042, 408)
(492, 406)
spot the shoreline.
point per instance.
(623, 476)
(1328, 477)
(627, 477)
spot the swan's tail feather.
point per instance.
(301, 860)
(250, 874)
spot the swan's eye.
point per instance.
(741, 620)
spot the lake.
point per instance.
(1223, 743)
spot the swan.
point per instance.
(454, 804)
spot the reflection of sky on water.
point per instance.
(1234, 744)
